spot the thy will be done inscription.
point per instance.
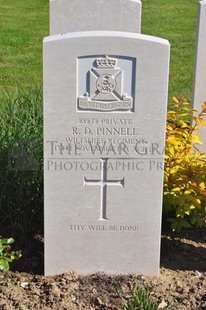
(103, 228)
(104, 145)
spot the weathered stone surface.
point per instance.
(105, 99)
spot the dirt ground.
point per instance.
(181, 284)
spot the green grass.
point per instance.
(21, 164)
(139, 298)
(176, 21)
(24, 23)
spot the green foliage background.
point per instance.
(24, 23)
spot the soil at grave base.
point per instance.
(182, 282)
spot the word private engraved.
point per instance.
(105, 88)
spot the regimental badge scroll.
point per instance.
(106, 87)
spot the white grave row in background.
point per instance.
(199, 86)
(85, 15)
(105, 100)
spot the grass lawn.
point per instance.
(176, 21)
(24, 23)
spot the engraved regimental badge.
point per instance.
(105, 91)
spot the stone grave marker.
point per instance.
(84, 15)
(199, 84)
(105, 100)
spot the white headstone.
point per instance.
(105, 99)
(199, 84)
(84, 15)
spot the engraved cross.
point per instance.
(103, 182)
